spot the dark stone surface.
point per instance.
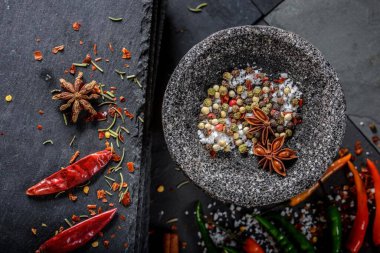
(348, 34)
(187, 28)
(23, 159)
(232, 178)
(265, 6)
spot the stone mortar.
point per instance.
(233, 178)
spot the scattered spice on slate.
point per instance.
(47, 142)
(56, 49)
(38, 55)
(76, 26)
(126, 53)
(34, 231)
(74, 157)
(198, 8)
(160, 188)
(358, 147)
(115, 19)
(372, 127)
(39, 127)
(8, 98)
(86, 189)
(41, 112)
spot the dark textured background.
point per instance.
(23, 159)
(337, 28)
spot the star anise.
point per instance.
(77, 96)
(260, 123)
(274, 154)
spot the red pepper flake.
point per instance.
(38, 55)
(104, 200)
(128, 114)
(375, 139)
(72, 70)
(126, 245)
(101, 194)
(98, 59)
(358, 147)
(131, 167)
(56, 49)
(126, 201)
(106, 243)
(111, 204)
(76, 26)
(126, 53)
(101, 135)
(126, 65)
(81, 42)
(74, 157)
(116, 158)
(122, 99)
(73, 197)
(113, 235)
(75, 218)
(93, 68)
(115, 186)
(92, 212)
(41, 112)
(91, 206)
(87, 59)
(38, 39)
(122, 217)
(34, 231)
(95, 49)
(39, 127)
(110, 47)
(100, 210)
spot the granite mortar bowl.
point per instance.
(233, 178)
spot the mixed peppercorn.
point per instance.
(249, 107)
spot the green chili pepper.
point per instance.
(335, 224)
(211, 248)
(230, 250)
(296, 235)
(281, 239)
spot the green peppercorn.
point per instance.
(227, 76)
(249, 135)
(254, 140)
(234, 127)
(239, 89)
(207, 102)
(269, 105)
(288, 132)
(295, 101)
(225, 107)
(223, 90)
(265, 110)
(250, 93)
(211, 92)
(243, 148)
(256, 90)
(248, 108)
(280, 120)
(254, 104)
(235, 108)
(237, 115)
(245, 124)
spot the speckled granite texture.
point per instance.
(234, 178)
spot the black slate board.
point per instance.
(24, 160)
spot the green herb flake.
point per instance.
(48, 142)
(115, 19)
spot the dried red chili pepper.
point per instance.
(71, 176)
(251, 246)
(77, 235)
(335, 166)
(376, 182)
(357, 234)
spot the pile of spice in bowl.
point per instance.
(253, 112)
